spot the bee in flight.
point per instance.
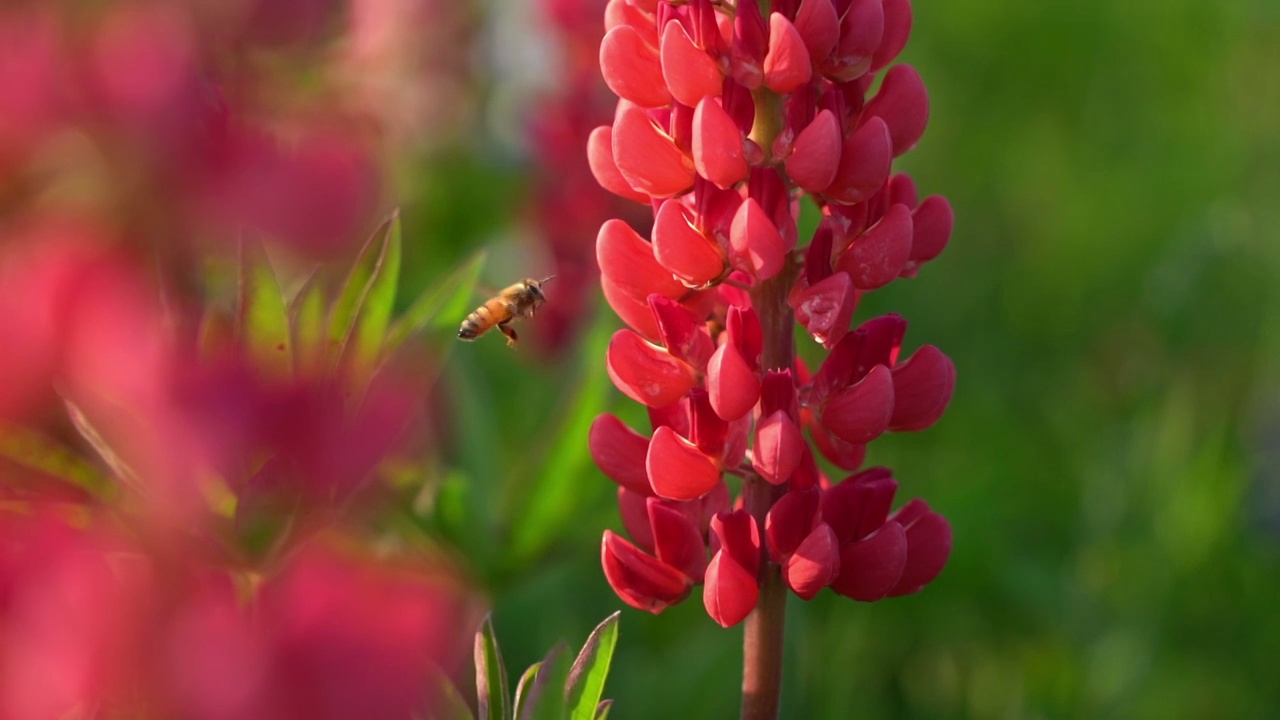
(516, 301)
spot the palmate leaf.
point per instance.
(585, 685)
(492, 692)
(358, 320)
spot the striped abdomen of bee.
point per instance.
(516, 301)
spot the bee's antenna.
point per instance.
(549, 277)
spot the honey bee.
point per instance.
(516, 301)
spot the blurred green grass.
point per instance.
(1110, 460)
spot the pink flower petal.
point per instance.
(750, 41)
(645, 372)
(717, 145)
(641, 580)
(922, 387)
(826, 309)
(620, 453)
(682, 333)
(859, 505)
(864, 163)
(790, 521)
(844, 455)
(860, 33)
(690, 73)
(786, 65)
(815, 154)
(624, 12)
(861, 412)
(604, 169)
(931, 224)
(778, 448)
(677, 540)
(870, 568)
(647, 157)
(756, 240)
(928, 547)
(682, 249)
(903, 105)
(877, 256)
(677, 469)
(631, 68)
(734, 387)
(818, 24)
(897, 26)
(731, 578)
(814, 564)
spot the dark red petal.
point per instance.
(882, 339)
(826, 309)
(677, 469)
(717, 145)
(878, 255)
(870, 568)
(750, 42)
(743, 326)
(634, 510)
(815, 154)
(647, 157)
(865, 158)
(819, 26)
(737, 534)
(682, 249)
(922, 387)
(605, 170)
(620, 453)
(734, 387)
(928, 547)
(778, 448)
(641, 580)
(790, 521)
(931, 228)
(681, 332)
(897, 26)
(844, 455)
(735, 442)
(631, 68)
(690, 73)
(902, 189)
(677, 541)
(645, 372)
(861, 412)
(730, 592)
(860, 33)
(786, 65)
(859, 505)
(903, 105)
(756, 242)
(814, 564)
(708, 430)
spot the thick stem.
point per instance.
(763, 631)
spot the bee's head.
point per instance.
(536, 286)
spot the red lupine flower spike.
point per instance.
(620, 453)
(903, 105)
(877, 257)
(731, 586)
(641, 580)
(922, 387)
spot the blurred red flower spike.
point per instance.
(819, 26)
(743, 326)
(682, 249)
(778, 448)
(860, 34)
(790, 521)
(677, 541)
(731, 579)
(689, 71)
(645, 372)
(684, 336)
(717, 144)
(604, 169)
(859, 505)
(620, 453)
(861, 412)
(756, 242)
(865, 158)
(928, 546)
(871, 567)
(903, 105)
(641, 580)
(634, 510)
(814, 564)
(922, 387)
(677, 469)
(786, 64)
(826, 309)
(931, 225)
(632, 69)
(844, 455)
(647, 157)
(734, 387)
(878, 255)
(897, 27)
(815, 154)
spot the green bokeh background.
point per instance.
(1110, 462)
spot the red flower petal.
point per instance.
(640, 580)
(756, 240)
(778, 448)
(859, 505)
(931, 228)
(743, 326)
(818, 24)
(870, 568)
(645, 372)
(620, 453)
(647, 157)
(878, 255)
(604, 169)
(731, 579)
(826, 309)
(690, 73)
(922, 387)
(635, 313)
(623, 12)
(677, 469)
(631, 68)
(897, 26)
(790, 521)
(928, 547)
(733, 386)
(815, 154)
(904, 106)
(677, 541)
(682, 249)
(634, 510)
(864, 163)
(737, 534)
(861, 412)
(750, 41)
(786, 66)
(844, 455)
(717, 144)
(682, 333)
(860, 33)
(814, 564)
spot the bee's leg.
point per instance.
(510, 332)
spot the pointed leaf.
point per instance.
(358, 320)
(307, 311)
(491, 675)
(524, 686)
(591, 668)
(544, 699)
(263, 321)
(444, 303)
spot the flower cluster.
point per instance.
(726, 119)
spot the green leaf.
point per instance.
(546, 691)
(491, 675)
(444, 303)
(447, 702)
(586, 680)
(602, 710)
(359, 318)
(263, 321)
(27, 448)
(307, 310)
(524, 686)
